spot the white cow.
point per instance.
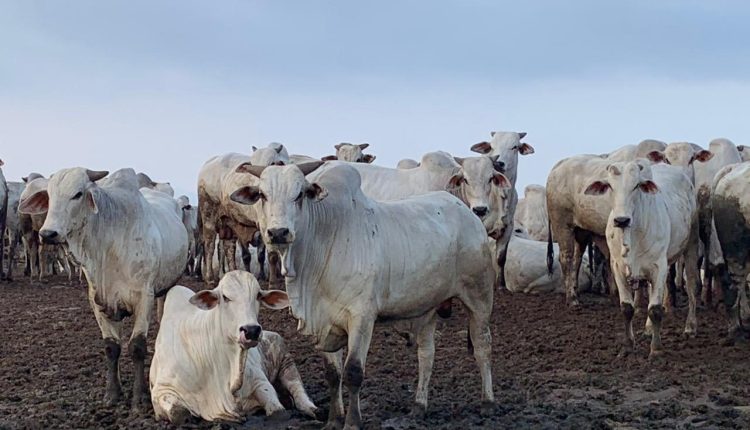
(531, 212)
(144, 181)
(526, 268)
(190, 221)
(653, 222)
(351, 153)
(212, 359)
(407, 163)
(744, 152)
(132, 246)
(506, 145)
(13, 224)
(349, 261)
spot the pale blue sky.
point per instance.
(161, 86)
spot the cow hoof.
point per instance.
(689, 334)
(574, 304)
(655, 355)
(419, 411)
(487, 408)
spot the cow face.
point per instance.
(281, 194)
(351, 153)
(237, 300)
(626, 181)
(506, 145)
(482, 187)
(70, 198)
(273, 155)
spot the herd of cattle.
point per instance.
(353, 244)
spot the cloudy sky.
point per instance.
(161, 86)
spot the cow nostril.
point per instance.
(480, 211)
(622, 221)
(47, 235)
(251, 332)
(278, 235)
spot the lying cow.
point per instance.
(526, 268)
(197, 371)
(385, 268)
(653, 222)
(351, 153)
(132, 246)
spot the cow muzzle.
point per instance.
(249, 336)
(49, 236)
(621, 221)
(279, 236)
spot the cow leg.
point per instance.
(292, 382)
(333, 371)
(426, 357)
(137, 346)
(655, 307)
(12, 255)
(571, 254)
(478, 302)
(360, 335)
(230, 251)
(247, 258)
(209, 239)
(501, 257)
(692, 274)
(111, 334)
(262, 276)
(627, 306)
(742, 305)
(670, 296)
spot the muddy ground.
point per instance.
(553, 368)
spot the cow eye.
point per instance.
(77, 196)
(226, 299)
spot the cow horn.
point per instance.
(249, 168)
(309, 167)
(95, 175)
(459, 160)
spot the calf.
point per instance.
(213, 360)
(652, 223)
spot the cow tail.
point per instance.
(550, 250)
(469, 343)
(591, 259)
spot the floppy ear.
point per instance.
(95, 175)
(246, 195)
(521, 134)
(330, 158)
(657, 157)
(316, 192)
(91, 200)
(482, 147)
(205, 299)
(597, 188)
(456, 181)
(37, 204)
(363, 146)
(273, 299)
(648, 187)
(525, 149)
(368, 158)
(703, 156)
(500, 180)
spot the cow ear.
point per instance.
(740, 148)
(330, 158)
(500, 180)
(279, 148)
(273, 299)
(205, 299)
(37, 204)
(597, 188)
(368, 158)
(95, 175)
(246, 195)
(363, 146)
(338, 146)
(648, 187)
(25, 179)
(492, 133)
(521, 134)
(316, 192)
(255, 148)
(481, 147)
(456, 181)
(525, 149)
(657, 157)
(703, 156)
(91, 200)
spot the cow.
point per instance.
(212, 358)
(531, 212)
(577, 220)
(506, 145)
(144, 181)
(526, 268)
(653, 222)
(351, 153)
(13, 224)
(3, 215)
(190, 221)
(407, 163)
(222, 217)
(132, 247)
(744, 152)
(731, 211)
(350, 261)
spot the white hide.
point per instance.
(526, 268)
(531, 212)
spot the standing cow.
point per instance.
(653, 222)
(132, 246)
(350, 261)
